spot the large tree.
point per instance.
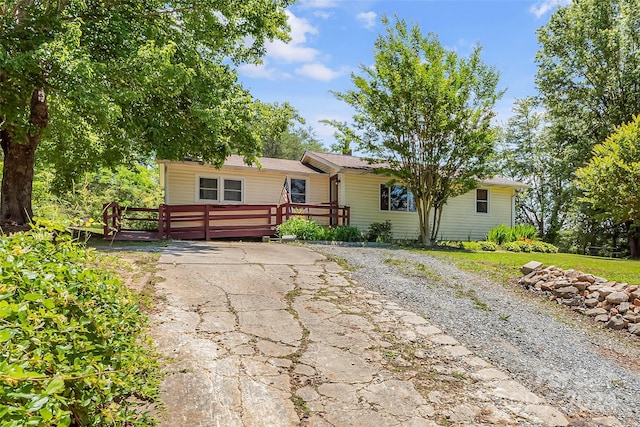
(94, 82)
(589, 72)
(610, 180)
(426, 112)
(530, 155)
(291, 144)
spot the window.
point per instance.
(482, 201)
(232, 190)
(208, 188)
(396, 198)
(298, 190)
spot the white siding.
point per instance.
(259, 186)
(459, 218)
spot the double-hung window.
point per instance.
(220, 190)
(396, 198)
(298, 190)
(482, 201)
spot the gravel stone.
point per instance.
(564, 363)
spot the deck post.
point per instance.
(160, 222)
(206, 222)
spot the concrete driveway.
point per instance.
(259, 334)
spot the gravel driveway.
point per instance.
(550, 350)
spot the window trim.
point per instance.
(306, 189)
(389, 187)
(220, 181)
(487, 201)
(198, 188)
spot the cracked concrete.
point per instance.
(258, 334)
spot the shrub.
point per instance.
(470, 246)
(518, 246)
(345, 233)
(452, 244)
(526, 231)
(380, 232)
(304, 229)
(499, 234)
(70, 343)
(488, 246)
(538, 246)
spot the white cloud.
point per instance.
(367, 18)
(294, 50)
(544, 6)
(318, 71)
(258, 71)
(323, 14)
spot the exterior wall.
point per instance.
(459, 218)
(259, 186)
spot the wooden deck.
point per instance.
(197, 222)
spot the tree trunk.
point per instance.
(17, 180)
(18, 168)
(634, 241)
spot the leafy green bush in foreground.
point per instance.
(305, 229)
(71, 348)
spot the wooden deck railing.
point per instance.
(215, 221)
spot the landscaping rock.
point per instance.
(635, 328)
(615, 303)
(596, 311)
(566, 292)
(616, 322)
(530, 266)
(617, 297)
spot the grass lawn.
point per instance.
(504, 265)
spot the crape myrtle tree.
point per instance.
(610, 181)
(589, 82)
(426, 113)
(89, 83)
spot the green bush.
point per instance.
(71, 350)
(470, 246)
(526, 231)
(538, 246)
(517, 246)
(303, 229)
(452, 244)
(380, 232)
(499, 234)
(345, 233)
(488, 246)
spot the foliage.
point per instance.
(588, 73)
(130, 186)
(426, 113)
(380, 232)
(305, 229)
(530, 155)
(291, 144)
(610, 180)
(529, 246)
(72, 350)
(488, 246)
(501, 234)
(124, 81)
(468, 246)
(345, 233)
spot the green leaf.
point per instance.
(32, 297)
(46, 414)
(6, 334)
(55, 386)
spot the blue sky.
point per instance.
(332, 38)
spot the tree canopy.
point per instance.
(610, 180)
(426, 112)
(96, 83)
(291, 144)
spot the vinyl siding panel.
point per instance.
(459, 218)
(259, 186)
